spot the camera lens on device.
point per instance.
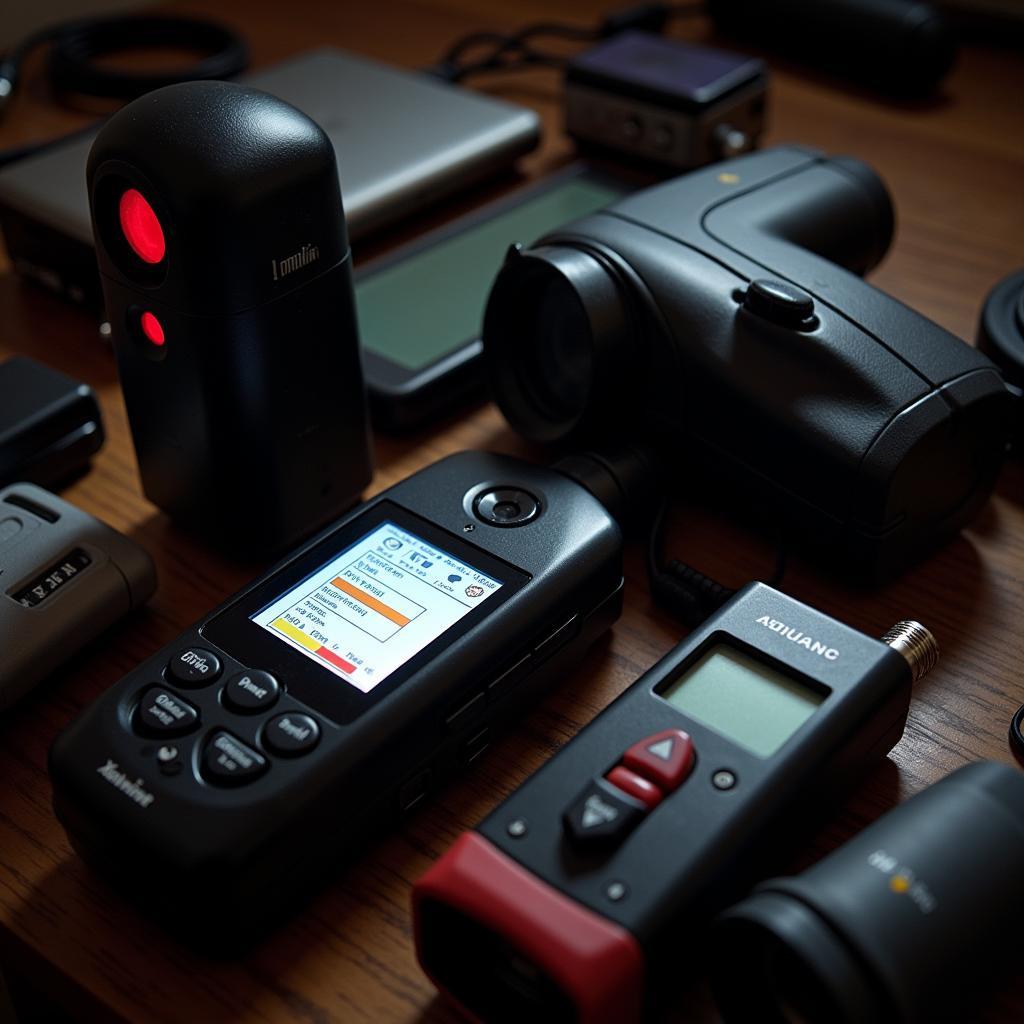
(891, 925)
(554, 340)
(506, 506)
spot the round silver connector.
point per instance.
(916, 643)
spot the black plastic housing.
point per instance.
(249, 420)
(211, 861)
(865, 428)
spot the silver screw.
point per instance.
(723, 779)
(516, 828)
(616, 891)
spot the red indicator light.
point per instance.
(141, 227)
(152, 328)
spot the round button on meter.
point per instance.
(291, 734)
(506, 506)
(194, 666)
(250, 691)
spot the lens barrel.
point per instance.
(891, 925)
(555, 340)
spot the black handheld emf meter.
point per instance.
(333, 692)
(575, 897)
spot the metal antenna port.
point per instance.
(916, 643)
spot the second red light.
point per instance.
(152, 328)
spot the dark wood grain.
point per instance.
(956, 169)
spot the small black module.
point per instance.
(667, 101)
(50, 424)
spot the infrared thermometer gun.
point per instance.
(572, 900)
(226, 772)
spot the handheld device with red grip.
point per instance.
(578, 895)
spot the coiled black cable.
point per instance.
(76, 45)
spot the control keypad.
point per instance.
(291, 734)
(161, 712)
(251, 691)
(227, 761)
(194, 666)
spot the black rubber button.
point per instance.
(194, 666)
(601, 815)
(781, 303)
(161, 712)
(252, 691)
(291, 734)
(228, 761)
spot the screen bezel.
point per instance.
(234, 632)
(722, 638)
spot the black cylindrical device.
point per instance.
(891, 925)
(227, 277)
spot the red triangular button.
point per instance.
(665, 758)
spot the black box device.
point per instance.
(579, 896)
(333, 692)
(50, 424)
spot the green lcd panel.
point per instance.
(743, 699)
(422, 307)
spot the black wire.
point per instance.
(75, 45)
(685, 591)
(654, 540)
(512, 51)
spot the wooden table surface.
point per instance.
(956, 169)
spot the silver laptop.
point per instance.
(402, 140)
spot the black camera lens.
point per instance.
(557, 365)
(889, 926)
(555, 341)
(506, 506)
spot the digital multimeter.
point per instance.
(226, 771)
(573, 899)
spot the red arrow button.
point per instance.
(665, 758)
(635, 785)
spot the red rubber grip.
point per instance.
(597, 963)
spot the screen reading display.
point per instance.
(376, 605)
(414, 311)
(743, 699)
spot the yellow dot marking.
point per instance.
(727, 178)
(899, 883)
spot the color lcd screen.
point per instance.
(432, 302)
(376, 605)
(743, 699)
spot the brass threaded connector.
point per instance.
(916, 643)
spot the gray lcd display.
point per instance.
(416, 310)
(743, 699)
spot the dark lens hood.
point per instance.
(565, 298)
(771, 929)
(889, 925)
